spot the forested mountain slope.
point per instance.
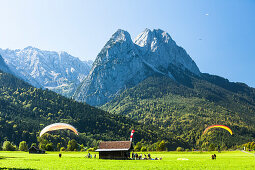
(25, 110)
(188, 105)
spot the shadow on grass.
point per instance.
(17, 168)
(6, 157)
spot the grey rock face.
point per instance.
(123, 63)
(116, 67)
(3, 66)
(159, 49)
(59, 72)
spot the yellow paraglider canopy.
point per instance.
(219, 126)
(58, 126)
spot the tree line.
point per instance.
(25, 110)
(186, 110)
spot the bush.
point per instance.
(23, 146)
(211, 147)
(49, 147)
(138, 146)
(91, 150)
(82, 147)
(187, 150)
(33, 144)
(179, 149)
(7, 146)
(152, 147)
(143, 149)
(72, 145)
(62, 149)
(161, 146)
(58, 146)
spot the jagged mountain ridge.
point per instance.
(57, 71)
(123, 63)
(160, 49)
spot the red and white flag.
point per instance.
(132, 133)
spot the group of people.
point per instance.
(139, 157)
(213, 156)
(135, 156)
(90, 155)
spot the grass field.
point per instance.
(77, 160)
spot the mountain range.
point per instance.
(154, 81)
(149, 80)
(122, 64)
(57, 71)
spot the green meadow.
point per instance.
(77, 160)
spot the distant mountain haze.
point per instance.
(57, 71)
(123, 63)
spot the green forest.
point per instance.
(165, 114)
(25, 110)
(186, 106)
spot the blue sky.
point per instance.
(218, 34)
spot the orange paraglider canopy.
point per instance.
(58, 126)
(219, 126)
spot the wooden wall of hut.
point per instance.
(114, 155)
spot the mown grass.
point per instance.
(77, 160)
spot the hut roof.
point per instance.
(33, 148)
(114, 146)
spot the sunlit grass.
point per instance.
(77, 160)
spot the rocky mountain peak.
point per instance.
(121, 35)
(120, 48)
(150, 39)
(144, 39)
(160, 49)
(30, 48)
(162, 37)
(123, 63)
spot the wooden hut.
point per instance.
(115, 149)
(33, 149)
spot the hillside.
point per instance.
(154, 81)
(25, 110)
(187, 106)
